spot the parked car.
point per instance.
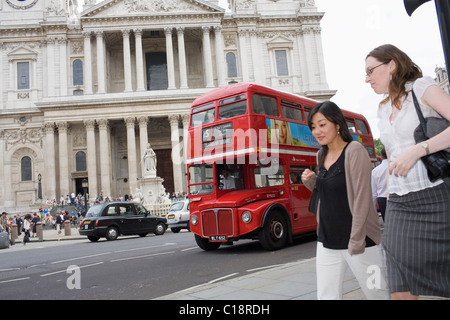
(112, 219)
(178, 216)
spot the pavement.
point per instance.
(290, 281)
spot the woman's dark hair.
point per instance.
(332, 113)
(406, 71)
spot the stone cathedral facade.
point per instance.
(85, 87)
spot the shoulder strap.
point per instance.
(419, 113)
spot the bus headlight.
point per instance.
(194, 220)
(246, 217)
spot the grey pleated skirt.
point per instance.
(416, 239)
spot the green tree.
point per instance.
(378, 146)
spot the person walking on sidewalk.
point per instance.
(379, 184)
(349, 233)
(26, 228)
(416, 235)
(59, 221)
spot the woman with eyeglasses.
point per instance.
(416, 235)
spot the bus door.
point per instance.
(299, 199)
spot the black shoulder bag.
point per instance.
(437, 164)
(314, 200)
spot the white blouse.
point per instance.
(398, 136)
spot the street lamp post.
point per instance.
(85, 185)
(39, 186)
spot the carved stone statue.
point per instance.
(149, 160)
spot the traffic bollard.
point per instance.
(39, 232)
(67, 228)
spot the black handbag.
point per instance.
(314, 202)
(437, 164)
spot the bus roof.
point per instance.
(236, 88)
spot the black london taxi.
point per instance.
(111, 219)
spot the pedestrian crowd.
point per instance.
(27, 223)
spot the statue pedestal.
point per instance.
(149, 174)
(153, 193)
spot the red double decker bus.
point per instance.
(247, 148)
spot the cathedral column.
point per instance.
(87, 63)
(258, 68)
(185, 120)
(169, 55)
(91, 157)
(63, 157)
(50, 174)
(302, 64)
(143, 138)
(220, 58)
(105, 158)
(34, 82)
(51, 66)
(176, 151)
(182, 58)
(100, 62)
(139, 60)
(127, 60)
(243, 54)
(307, 46)
(207, 59)
(62, 41)
(131, 150)
(320, 60)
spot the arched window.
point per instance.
(25, 168)
(80, 159)
(77, 66)
(231, 65)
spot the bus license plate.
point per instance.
(218, 238)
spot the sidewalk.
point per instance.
(291, 281)
(50, 234)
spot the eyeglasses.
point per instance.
(370, 71)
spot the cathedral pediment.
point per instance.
(123, 8)
(22, 53)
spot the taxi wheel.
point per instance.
(93, 238)
(175, 230)
(112, 233)
(160, 229)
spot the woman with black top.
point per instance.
(348, 230)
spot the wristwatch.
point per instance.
(425, 146)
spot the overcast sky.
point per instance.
(352, 28)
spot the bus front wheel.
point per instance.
(273, 234)
(205, 244)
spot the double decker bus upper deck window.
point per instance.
(291, 110)
(351, 125)
(361, 126)
(307, 112)
(264, 105)
(203, 114)
(232, 107)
